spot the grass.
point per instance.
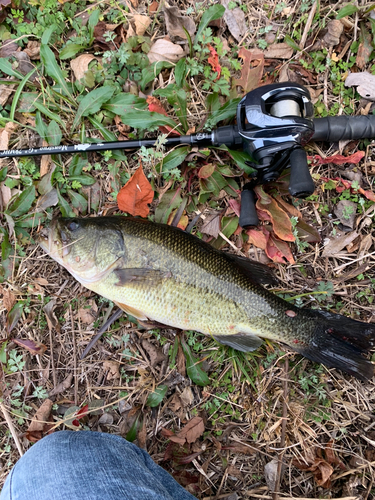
(257, 405)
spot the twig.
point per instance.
(74, 358)
(308, 25)
(106, 325)
(275, 494)
(352, 261)
(11, 428)
(54, 377)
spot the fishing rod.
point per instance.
(274, 123)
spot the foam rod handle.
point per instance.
(301, 184)
(248, 215)
(340, 128)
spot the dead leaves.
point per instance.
(176, 23)
(277, 232)
(235, 20)
(365, 83)
(279, 51)
(164, 50)
(334, 31)
(338, 159)
(279, 219)
(63, 386)
(34, 347)
(321, 463)
(252, 69)
(41, 423)
(112, 369)
(188, 434)
(88, 313)
(81, 64)
(155, 105)
(141, 23)
(342, 184)
(135, 196)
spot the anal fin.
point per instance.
(244, 342)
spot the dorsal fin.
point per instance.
(255, 271)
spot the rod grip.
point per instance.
(339, 128)
(248, 214)
(301, 183)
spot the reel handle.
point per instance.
(248, 215)
(301, 184)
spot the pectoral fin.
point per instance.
(140, 275)
(244, 342)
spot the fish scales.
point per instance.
(204, 291)
(157, 272)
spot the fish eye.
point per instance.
(72, 226)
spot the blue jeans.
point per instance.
(86, 465)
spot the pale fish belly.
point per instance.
(180, 305)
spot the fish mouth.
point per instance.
(50, 240)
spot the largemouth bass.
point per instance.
(160, 273)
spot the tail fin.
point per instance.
(341, 342)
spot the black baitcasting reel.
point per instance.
(274, 122)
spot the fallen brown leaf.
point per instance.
(33, 346)
(5, 92)
(52, 320)
(153, 7)
(112, 368)
(238, 448)
(235, 20)
(364, 50)
(5, 134)
(156, 355)
(62, 386)
(187, 396)
(25, 65)
(176, 22)
(181, 362)
(8, 48)
(141, 24)
(40, 425)
(278, 51)
(365, 83)
(345, 211)
(48, 200)
(175, 403)
(320, 466)
(252, 69)
(9, 299)
(334, 31)
(211, 225)
(88, 313)
(190, 432)
(81, 64)
(106, 419)
(5, 193)
(45, 162)
(270, 473)
(164, 50)
(135, 196)
(33, 50)
(142, 435)
(335, 244)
